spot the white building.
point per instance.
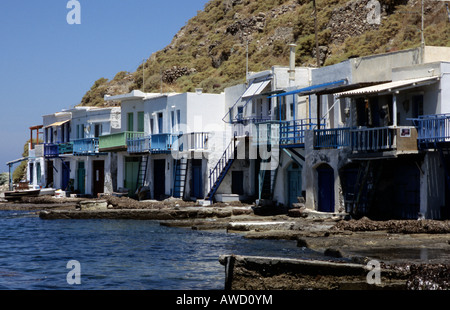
(169, 143)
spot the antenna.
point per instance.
(143, 75)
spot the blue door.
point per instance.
(326, 188)
(197, 191)
(295, 184)
(65, 178)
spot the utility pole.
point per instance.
(448, 12)
(246, 72)
(316, 35)
(422, 29)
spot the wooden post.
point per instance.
(318, 111)
(394, 110)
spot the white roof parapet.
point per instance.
(135, 94)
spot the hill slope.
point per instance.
(210, 51)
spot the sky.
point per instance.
(47, 64)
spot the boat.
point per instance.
(16, 195)
(47, 192)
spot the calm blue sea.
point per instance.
(120, 255)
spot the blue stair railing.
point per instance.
(218, 173)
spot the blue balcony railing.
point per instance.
(51, 150)
(161, 142)
(433, 129)
(293, 132)
(332, 138)
(373, 139)
(138, 145)
(86, 146)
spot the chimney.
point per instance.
(292, 64)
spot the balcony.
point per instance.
(268, 133)
(292, 133)
(332, 138)
(433, 130)
(52, 150)
(374, 139)
(138, 145)
(246, 126)
(191, 142)
(65, 148)
(161, 143)
(86, 147)
(118, 141)
(36, 150)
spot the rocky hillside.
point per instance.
(210, 51)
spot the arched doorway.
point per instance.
(326, 201)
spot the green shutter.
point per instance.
(130, 126)
(140, 122)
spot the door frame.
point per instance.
(328, 205)
(290, 169)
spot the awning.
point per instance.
(255, 89)
(313, 89)
(57, 124)
(17, 161)
(389, 87)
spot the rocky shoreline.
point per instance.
(418, 251)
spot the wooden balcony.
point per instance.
(191, 142)
(334, 138)
(117, 142)
(138, 145)
(86, 147)
(433, 130)
(292, 133)
(52, 150)
(369, 142)
(161, 143)
(373, 139)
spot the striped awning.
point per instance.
(256, 89)
(58, 124)
(390, 87)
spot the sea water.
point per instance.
(121, 254)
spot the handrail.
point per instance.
(373, 139)
(192, 141)
(332, 138)
(293, 132)
(229, 153)
(87, 145)
(433, 128)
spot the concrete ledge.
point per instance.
(260, 226)
(145, 214)
(263, 273)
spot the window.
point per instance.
(98, 129)
(152, 126)
(417, 106)
(160, 123)
(240, 112)
(81, 131)
(178, 119)
(130, 120)
(78, 132)
(283, 109)
(140, 116)
(174, 128)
